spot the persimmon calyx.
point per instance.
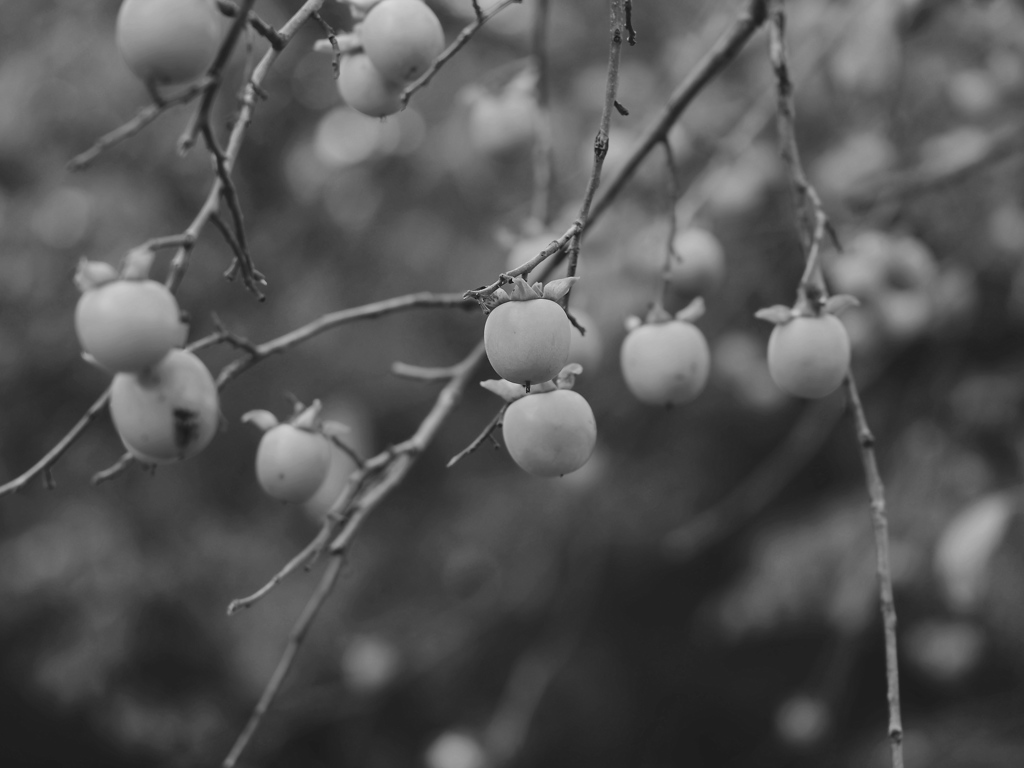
(779, 314)
(524, 291)
(93, 274)
(510, 391)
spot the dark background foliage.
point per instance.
(702, 593)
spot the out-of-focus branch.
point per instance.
(295, 638)
(931, 176)
(467, 33)
(880, 525)
(616, 31)
(201, 117)
(543, 143)
(45, 464)
(811, 221)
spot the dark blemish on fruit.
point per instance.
(186, 428)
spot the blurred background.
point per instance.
(702, 593)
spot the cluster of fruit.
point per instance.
(163, 400)
(394, 44)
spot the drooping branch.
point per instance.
(811, 224)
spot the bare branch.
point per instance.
(721, 54)
(479, 440)
(298, 634)
(230, 10)
(145, 116)
(252, 92)
(464, 37)
(335, 319)
(251, 277)
(616, 31)
(932, 176)
(201, 117)
(880, 524)
(332, 38)
(45, 464)
(555, 247)
(421, 373)
(812, 224)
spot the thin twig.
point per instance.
(230, 10)
(332, 38)
(880, 525)
(467, 33)
(333, 320)
(251, 277)
(145, 116)
(201, 117)
(298, 634)
(480, 439)
(554, 248)
(811, 226)
(45, 464)
(423, 373)
(615, 34)
(673, 223)
(724, 51)
(405, 454)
